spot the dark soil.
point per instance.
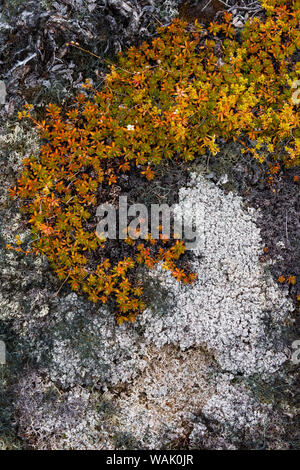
(163, 189)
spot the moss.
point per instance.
(17, 358)
(126, 441)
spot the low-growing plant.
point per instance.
(176, 98)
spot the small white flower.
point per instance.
(130, 127)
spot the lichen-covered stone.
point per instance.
(162, 374)
(234, 300)
(179, 376)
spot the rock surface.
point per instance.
(199, 368)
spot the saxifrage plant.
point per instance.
(175, 98)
